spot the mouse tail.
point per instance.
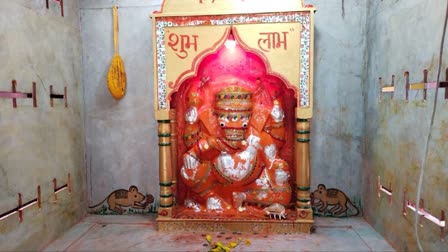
(98, 204)
(355, 207)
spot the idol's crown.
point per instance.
(233, 98)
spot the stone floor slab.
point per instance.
(138, 233)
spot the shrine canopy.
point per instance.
(219, 7)
(279, 32)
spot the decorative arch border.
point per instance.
(300, 17)
(266, 62)
(196, 62)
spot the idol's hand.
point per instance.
(192, 115)
(190, 162)
(253, 141)
(277, 113)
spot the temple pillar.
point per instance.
(165, 170)
(302, 164)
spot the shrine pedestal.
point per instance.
(252, 220)
(226, 225)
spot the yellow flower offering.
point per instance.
(220, 247)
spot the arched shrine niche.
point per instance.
(230, 65)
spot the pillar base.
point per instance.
(304, 214)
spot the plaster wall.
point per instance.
(405, 36)
(121, 135)
(43, 143)
(337, 123)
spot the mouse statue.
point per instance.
(238, 161)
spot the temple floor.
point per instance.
(138, 233)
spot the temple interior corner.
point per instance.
(223, 125)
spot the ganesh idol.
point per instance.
(232, 158)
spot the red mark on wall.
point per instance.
(182, 43)
(272, 40)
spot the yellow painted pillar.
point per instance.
(165, 170)
(302, 162)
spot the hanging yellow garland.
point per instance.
(116, 77)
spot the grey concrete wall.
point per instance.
(405, 36)
(337, 124)
(121, 135)
(43, 143)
